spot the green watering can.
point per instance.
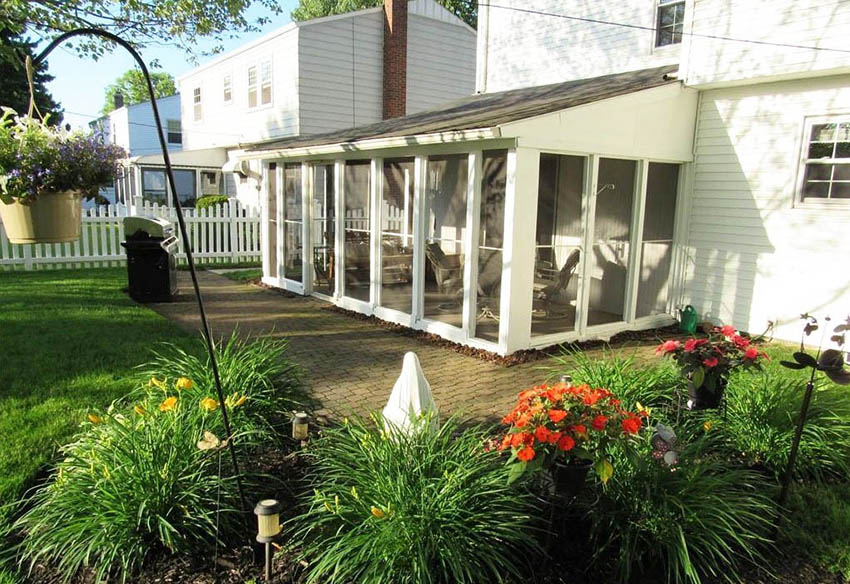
(688, 319)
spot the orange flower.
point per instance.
(542, 433)
(566, 443)
(523, 421)
(506, 441)
(377, 512)
(526, 453)
(591, 398)
(519, 439)
(557, 415)
(632, 424)
(168, 404)
(554, 437)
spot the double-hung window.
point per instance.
(260, 84)
(670, 21)
(175, 132)
(196, 101)
(227, 87)
(826, 162)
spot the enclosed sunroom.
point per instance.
(503, 221)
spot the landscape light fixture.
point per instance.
(300, 426)
(268, 528)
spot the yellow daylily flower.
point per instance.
(169, 404)
(707, 426)
(140, 410)
(208, 404)
(377, 512)
(154, 382)
(95, 419)
(234, 400)
(184, 383)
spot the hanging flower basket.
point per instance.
(51, 218)
(45, 172)
(570, 476)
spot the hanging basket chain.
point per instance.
(180, 221)
(33, 107)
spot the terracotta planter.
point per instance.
(702, 398)
(51, 218)
(569, 478)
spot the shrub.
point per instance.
(762, 418)
(130, 484)
(137, 481)
(652, 385)
(430, 507)
(257, 368)
(701, 517)
(210, 201)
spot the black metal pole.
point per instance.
(180, 220)
(795, 445)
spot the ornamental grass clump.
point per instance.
(37, 159)
(702, 517)
(429, 507)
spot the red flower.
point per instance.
(692, 344)
(557, 415)
(741, 342)
(632, 424)
(579, 430)
(751, 353)
(710, 362)
(542, 433)
(519, 439)
(599, 422)
(526, 453)
(523, 421)
(554, 437)
(591, 398)
(667, 347)
(727, 331)
(566, 443)
(510, 418)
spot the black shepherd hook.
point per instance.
(181, 222)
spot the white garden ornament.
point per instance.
(411, 397)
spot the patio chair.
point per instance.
(448, 269)
(546, 299)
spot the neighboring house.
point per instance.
(327, 74)
(133, 127)
(699, 153)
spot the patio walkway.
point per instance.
(351, 364)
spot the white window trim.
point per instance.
(224, 83)
(813, 203)
(197, 106)
(259, 83)
(656, 25)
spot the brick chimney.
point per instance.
(395, 58)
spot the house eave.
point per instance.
(450, 137)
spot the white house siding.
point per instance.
(753, 256)
(440, 62)
(139, 122)
(340, 76)
(526, 49)
(816, 23)
(224, 124)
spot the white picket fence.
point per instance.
(223, 233)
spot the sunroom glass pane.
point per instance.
(293, 247)
(323, 233)
(397, 235)
(490, 243)
(357, 223)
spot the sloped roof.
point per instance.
(487, 110)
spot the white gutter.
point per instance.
(375, 144)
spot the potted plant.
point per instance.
(44, 174)
(707, 363)
(566, 429)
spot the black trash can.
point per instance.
(151, 264)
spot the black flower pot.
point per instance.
(569, 478)
(704, 398)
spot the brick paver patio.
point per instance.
(350, 364)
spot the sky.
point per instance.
(79, 83)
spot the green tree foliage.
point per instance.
(133, 87)
(308, 9)
(14, 90)
(174, 22)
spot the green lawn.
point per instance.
(70, 340)
(244, 275)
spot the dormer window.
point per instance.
(670, 22)
(196, 101)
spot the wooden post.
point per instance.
(232, 210)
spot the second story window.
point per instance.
(252, 87)
(266, 83)
(826, 162)
(175, 132)
(227, 85)
(196, 101)
(670, 22)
